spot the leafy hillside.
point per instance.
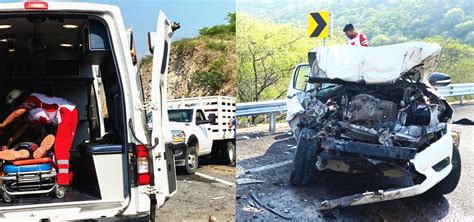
(200, 66)
(384, 21)
(267, 52)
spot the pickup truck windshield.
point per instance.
(180, 115)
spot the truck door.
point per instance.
(204, 133)
(163, 164)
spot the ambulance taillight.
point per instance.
(36, 5)
(142, 164)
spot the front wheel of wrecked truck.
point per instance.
(305, 158)
(450, 182)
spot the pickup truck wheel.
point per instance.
(191, 161)
(450, 182)
(305, 159)
(230, 153)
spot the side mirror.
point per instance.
(212, 118)
(151, 41)
(203, 122)
(439, 79)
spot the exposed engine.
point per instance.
(403, 114)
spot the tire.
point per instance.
(305, 159)
(191, 161)
(229, 154)
(450, 182)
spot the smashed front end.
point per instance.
(394, 128)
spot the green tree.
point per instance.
(469, 38)
(225, 29)
(457, 58)
(453, 16)
(379, 40)
(266, 56)
(210, 82)
(462, 29)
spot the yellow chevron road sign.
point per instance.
(318, 24)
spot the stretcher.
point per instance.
(30, 177)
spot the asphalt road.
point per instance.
(200, 199)
(255, 149)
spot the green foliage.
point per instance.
(217, 65)
(266, 56)
(222, 30)
(211, 81)
(267, 52)
(454, 16)
(397, 20)
(183, 45)
(470, 38)
(201, 66)
(457, 59)
(219, 46)
(146, 60)
(463, 28)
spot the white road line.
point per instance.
(230, 184)
(267, 167)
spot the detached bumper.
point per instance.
(426, 162)
(179, 152)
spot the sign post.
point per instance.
(319, 25)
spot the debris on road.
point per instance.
(258, 201)
(245, 181)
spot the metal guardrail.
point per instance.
(279, 106)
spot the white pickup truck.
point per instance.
(203, 126)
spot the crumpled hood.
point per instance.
(383, 64)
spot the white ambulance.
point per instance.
(123, 169)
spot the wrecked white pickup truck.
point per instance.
(374, 109)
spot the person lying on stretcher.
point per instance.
(27, 132)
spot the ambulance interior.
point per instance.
(70, 56)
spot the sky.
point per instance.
(191, 14)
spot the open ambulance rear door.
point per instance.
(161, 158)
